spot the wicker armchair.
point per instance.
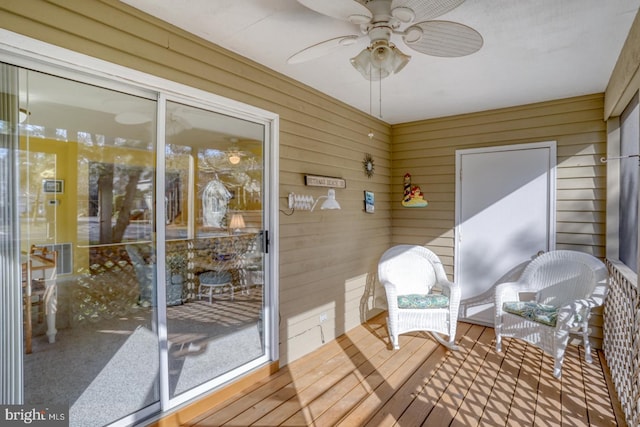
(419, 296)
(563, 286)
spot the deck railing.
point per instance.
(622, 340)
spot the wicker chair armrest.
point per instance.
(451, 290)
(508, 291)
(568, 312)
(392, 295)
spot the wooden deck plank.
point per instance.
(252, 399)
(499, 402)
(453, 397)
(276, 408)
(477, 396)
(548, 403)
(574, 409)
(521, 412)
(385, 406)
(401, 398)
(377, 381)
(433, 391)
(599, 406)
(327, 391)
(357, 380)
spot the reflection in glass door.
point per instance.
(86, 183)
(144, 285)
(214, 255)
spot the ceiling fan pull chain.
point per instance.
(380, 94)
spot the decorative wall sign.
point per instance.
(53, 186)
(368, 165)
(324, 181)
(369, 200)
(413, 197)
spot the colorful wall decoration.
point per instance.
(413, 197)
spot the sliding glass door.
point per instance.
(140, 259)
(213, 180)
(86, 174)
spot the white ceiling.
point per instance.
(533, 51)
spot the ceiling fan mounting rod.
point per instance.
(383, 23)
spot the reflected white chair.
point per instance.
(410, 274)
(553, 298)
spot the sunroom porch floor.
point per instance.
(357, 380)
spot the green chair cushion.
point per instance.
(423, 301)
(215, 278)
(531, 310)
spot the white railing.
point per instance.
(622, 340)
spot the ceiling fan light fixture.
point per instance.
(234, 159)
(400, 60)
(379, 60)
(381, 55)
(362, 62)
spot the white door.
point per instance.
(505, 214)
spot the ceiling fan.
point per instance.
(380, 20)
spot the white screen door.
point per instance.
(505, 214)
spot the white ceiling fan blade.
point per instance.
(425, 10)
(339, 9)
(321, 49)
(446, 39)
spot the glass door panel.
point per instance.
(86, 207)
(214, 257)
(95, 321)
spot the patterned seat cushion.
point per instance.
(423, 301)
(531, 310)
(215, 278)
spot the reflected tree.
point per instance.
(118, 196)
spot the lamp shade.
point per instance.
(330, 202)
(237, 222)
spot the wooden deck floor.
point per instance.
(357, 380)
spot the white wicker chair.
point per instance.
(410, 272)
(565, 286)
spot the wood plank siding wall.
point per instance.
(426, 149)
(327, 258)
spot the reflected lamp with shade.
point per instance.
(23, 115)
(236, 223)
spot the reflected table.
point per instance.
(210, 280)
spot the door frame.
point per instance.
(551, 199)
(22, 51)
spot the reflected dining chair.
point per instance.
(39, 274)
